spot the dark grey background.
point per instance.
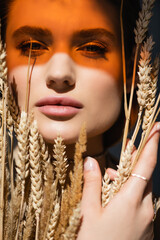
(154, 30)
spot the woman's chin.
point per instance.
(49, 135)
(67, 141)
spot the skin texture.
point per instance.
(68, 64)
(129, 215)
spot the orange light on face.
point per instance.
(78, 55)
(92, 40)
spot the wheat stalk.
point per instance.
(4, 129)
(123, 60)
(140, 32)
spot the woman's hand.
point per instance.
(128, 216)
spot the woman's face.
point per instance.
(76, 77)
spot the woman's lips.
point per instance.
(59, 106)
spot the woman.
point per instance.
(77, 77)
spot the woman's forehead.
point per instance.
(65, 13)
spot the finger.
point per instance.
(111, 173)
(91, 198)
(146, 162)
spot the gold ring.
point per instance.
(139, 176)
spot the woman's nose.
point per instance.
(60, 72)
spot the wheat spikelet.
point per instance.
(44, 150)
(150, 101)
(36, 175)
(77, 175)
(48, 196)
(29, 223)
(3, 68)
(143, 21)
(140, 33)
(71, 196)
(64, 211)
(22, 161)
(60, 162)
(53, 220)
(144, 73)
(45, 156)
(106, 187)
(124, 169)
(9, 123)
(74, 223)
(13, 110)
(14, 207)
(7, 223)
(22, 164)
(1, 144)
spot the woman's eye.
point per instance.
(36, 48)
(93, 50)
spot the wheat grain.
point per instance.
(3, 68)
(36, 175)
(13, 110)
(151, 97)
(124, 169)
(48, 196)
(74, 223)
(22, 163)
(106, 187)
(60, 162)
(144, 72)
(30, 223)
(45, 156)
(53, 220)
(143, 21)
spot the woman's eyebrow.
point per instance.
(92, 34)
(35, 33)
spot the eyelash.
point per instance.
(93, 50)
(37, 48)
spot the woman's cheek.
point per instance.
(102, 93)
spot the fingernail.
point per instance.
(158, 126)
(89, 164)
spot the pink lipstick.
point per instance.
(59, 106)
